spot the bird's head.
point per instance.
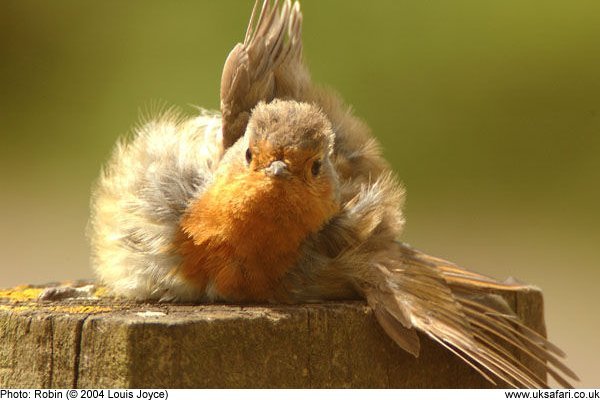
(289, 144)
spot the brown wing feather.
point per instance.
(455, 308)
(263, 66)
(502, 325)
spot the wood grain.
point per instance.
(103, 342)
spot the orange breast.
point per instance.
(245, 232)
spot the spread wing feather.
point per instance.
(455, 308)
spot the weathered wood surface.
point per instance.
(107, 343)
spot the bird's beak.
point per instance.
(277, 168)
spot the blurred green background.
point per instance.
(489, 112)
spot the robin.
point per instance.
(284, 197)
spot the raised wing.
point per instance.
(266, 65)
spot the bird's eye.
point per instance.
(248, 155)
(316, 167)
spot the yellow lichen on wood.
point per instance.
(101, 291)
(82, 309)
(20, 293)
(24, 298)
(74, 309)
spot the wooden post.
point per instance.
(103, 342)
